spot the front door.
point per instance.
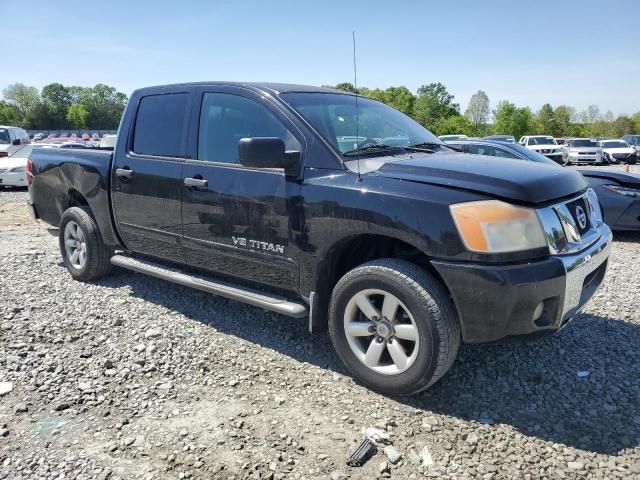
(237, 220)
(147, 177)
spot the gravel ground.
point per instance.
(132, 377)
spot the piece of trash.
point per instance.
(375, 434)
(363, 452)
(583, 373)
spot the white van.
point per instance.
(12, 139)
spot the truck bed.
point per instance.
(61, 178)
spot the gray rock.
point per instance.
(425, 456)
(472, 439)
(5, 388)
(338, 475)
(21, 408)
(392, 454)
(575, 465)
(152, 333)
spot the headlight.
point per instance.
(18, 170)
(493, 226)
(628, 192)
(573, 154)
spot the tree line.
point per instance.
(434, 107)
(60, 107)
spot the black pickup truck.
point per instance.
(316, 203)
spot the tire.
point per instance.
(423, 304)
(93, 259)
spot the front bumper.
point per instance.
(498, 302)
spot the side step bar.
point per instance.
(216, 287)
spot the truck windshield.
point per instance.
(583, 143)
(616, 144)
(333, 116)
(542, 141)
(4, 136)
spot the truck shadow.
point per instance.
(534, 387)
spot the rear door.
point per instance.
(237, 220)
(147, 176)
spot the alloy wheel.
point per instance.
(381, 331)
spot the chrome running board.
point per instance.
(242, 294)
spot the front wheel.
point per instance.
(393, 326)
(83, 251)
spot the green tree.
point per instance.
(478, 112)
(622, 125)
(400, 98)
(456, 124)
(509, 119)
(104, 105)
(564, 117)
(434, 103)
(345, 87)
(9, 114)
(547, 120)
(635, 119)
(23, 97)
(77, 116)
(57, 99)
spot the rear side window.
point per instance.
(160, 125)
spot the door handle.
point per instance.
(124, 172)
(196, 182)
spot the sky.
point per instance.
(568, 52)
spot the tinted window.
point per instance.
(4, 136)
(225, 119)
(160, 124)
(503, 153)
(481, 150)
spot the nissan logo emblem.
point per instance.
(581, 216)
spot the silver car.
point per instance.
(581, 150)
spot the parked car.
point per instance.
(445, 138)
(401, 251)
(501, 138)
(108, 142)
(543, 144)
(581, 150)
(634, 142)
(13, 170)
(12, 139)
(38, 136)
(618, 192)
(617, 151)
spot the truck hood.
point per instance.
(516, 180)
(626, 179)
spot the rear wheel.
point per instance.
(83, 251)
(393, 326)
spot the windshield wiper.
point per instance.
(378, 147)
(430, 145)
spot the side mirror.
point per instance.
(265, 152)
(16, 142)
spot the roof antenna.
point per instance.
(355, 84)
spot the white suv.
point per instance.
(543, 144)
(12, 139)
